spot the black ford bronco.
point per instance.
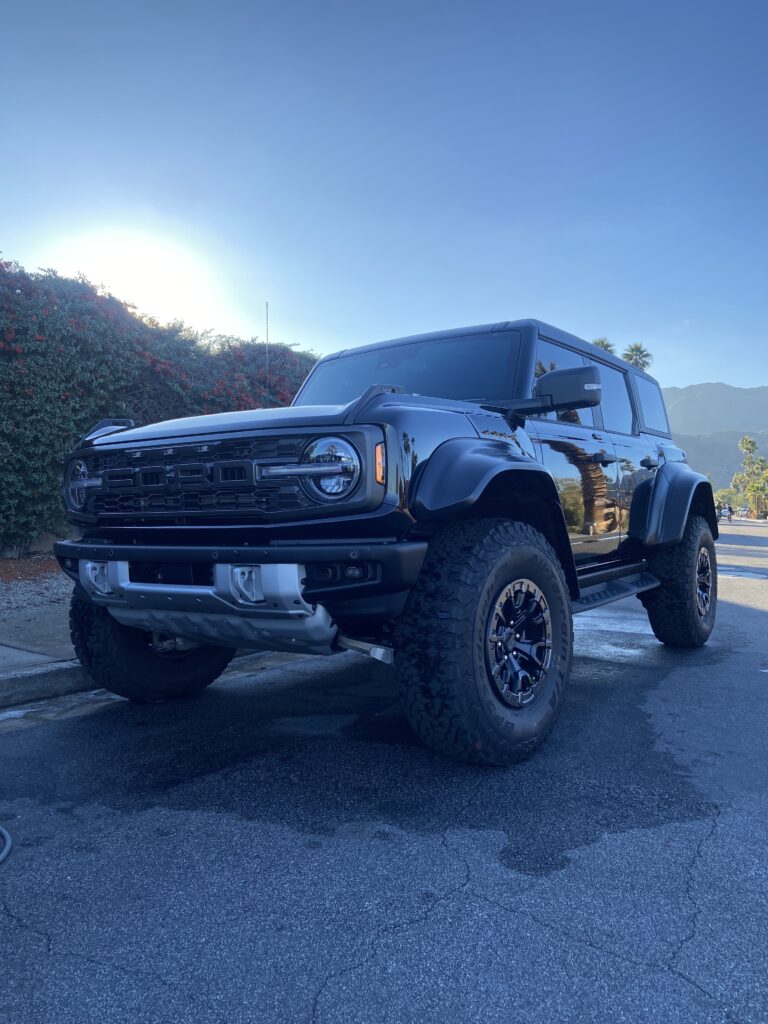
(445, 502)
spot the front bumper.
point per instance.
(190, 591)
(391, 566)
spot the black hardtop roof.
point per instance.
(545, 330)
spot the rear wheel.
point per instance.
(142, 666)
(483, 648)
(683, 607)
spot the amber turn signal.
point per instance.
(381, 465)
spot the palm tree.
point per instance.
(748, 448)
(637, 355)
(603, 343)
(753, 478)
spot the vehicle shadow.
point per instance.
(740, 553)
(733, 537)
(322, 743)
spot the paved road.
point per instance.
(284, 850)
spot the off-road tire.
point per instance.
(672, 606)
(121, 660)
(440, 642)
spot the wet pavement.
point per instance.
(283, 849)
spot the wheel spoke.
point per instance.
(531, 650)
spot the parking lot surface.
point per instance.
(283, 849)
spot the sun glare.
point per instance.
(161, 278)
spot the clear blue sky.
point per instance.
(379, 169)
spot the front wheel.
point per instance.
(142, 666)
(683, 607)
(483, 647)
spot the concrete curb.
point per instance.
(25, 685)
(57, 678)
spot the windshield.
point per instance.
(470, 367)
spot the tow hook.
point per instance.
(377, 651)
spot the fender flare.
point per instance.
(461, 471)
(676, 489)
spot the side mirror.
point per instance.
(578, 388)
(557, 390)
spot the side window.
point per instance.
(652, 405)
(615, 403)
(553, 357)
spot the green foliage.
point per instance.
(729, 496)
(70, 356)
(637, 355)
(603, 343)
(752, 479)
(748, 446)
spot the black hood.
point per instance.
(232, 422)
(376, 405)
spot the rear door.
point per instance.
(582, 461)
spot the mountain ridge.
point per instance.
(708, 420)
(712, 407)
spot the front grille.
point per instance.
(266, 497)
(197, 479)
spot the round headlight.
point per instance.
(343, 468)
(74, 485)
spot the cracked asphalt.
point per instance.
(283, 849)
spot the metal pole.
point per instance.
(267, 351)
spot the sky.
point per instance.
(374, 170)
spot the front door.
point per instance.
(582, 460)
(621, 427)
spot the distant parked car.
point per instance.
(744, 511)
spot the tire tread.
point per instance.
(671, 606)
(104, 648)
(439, 704)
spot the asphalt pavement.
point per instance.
(283, 849)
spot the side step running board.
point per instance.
(613, 590)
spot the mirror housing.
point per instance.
(556, 391)
(577, 388)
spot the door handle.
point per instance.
(649, 462)
(597, 437)
(604, 458)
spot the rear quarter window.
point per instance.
(652, 409)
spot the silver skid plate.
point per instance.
(280, 619)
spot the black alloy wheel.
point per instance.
(519, 642)
(704, 581)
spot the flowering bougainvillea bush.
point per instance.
(70, 356)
